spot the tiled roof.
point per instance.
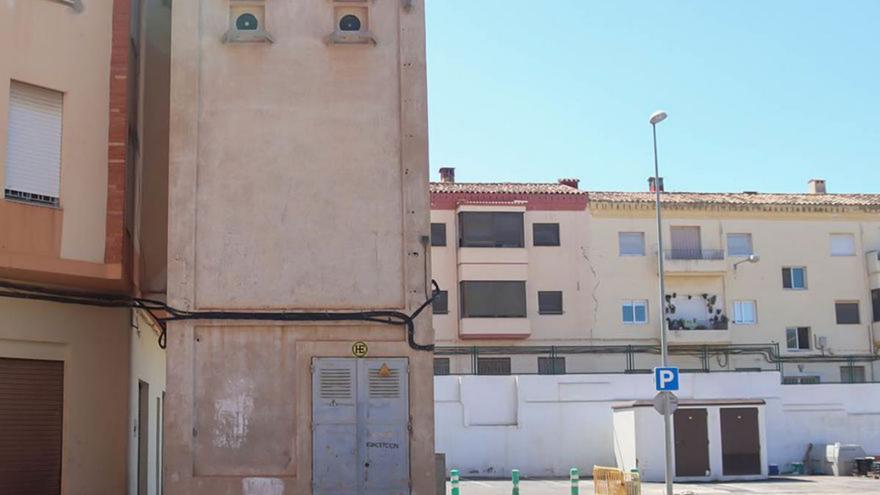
(503, 188)
(871, 201)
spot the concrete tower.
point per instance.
(298, 183)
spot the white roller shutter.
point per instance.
(33, 160)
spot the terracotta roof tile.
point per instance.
(740, 199)
(503, 188)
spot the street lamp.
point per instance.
(655, 119)
(752, 258)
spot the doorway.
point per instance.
(360, 432)
(691, 443)
(740, 441)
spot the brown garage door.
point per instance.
(691, 442)
(31, 404)
(740, 444)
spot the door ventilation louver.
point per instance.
(335, 384)
(384, 385)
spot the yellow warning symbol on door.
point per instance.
(384, 371)
(359, 349)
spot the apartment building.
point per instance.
(81, 385)
(753, 281)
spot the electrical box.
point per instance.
(360, 426)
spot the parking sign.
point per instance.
(666, 379)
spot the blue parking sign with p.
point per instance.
(666, 379)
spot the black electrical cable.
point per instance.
(21, 291)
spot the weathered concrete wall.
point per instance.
(298, 181)
(544, 425)
(94, 345)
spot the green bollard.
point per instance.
(453, 477)
(514, 477)
(575, 481)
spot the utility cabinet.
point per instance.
(360, 426)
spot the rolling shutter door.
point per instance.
(33, 161)
(31, 408)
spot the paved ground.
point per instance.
(789, 485)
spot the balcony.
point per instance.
(700, 335)
(694, 260)
(494, 328)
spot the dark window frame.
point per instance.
(495, 288)
(853, 374)
(550, 237)
(494, 366)
(800, 341)
(847, 316)
(438, 234)
(495, 222)
(542, 302)
(548, 365)
(440, 304)
(442, 366)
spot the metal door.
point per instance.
(740, 444)
(360, 426)
(334, 427)
(691, 442)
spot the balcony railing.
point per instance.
(693, 324)
(694, 254)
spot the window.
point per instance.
(246, 22)
(441, 366)
(349, 22)
(33, 154)
(550, 302)
(744, 312)
(801, 380)
(493, 299)
(794, 277)
(493, 366)
(491, 229)
(852, 374)
(875, 303)
(739, 245)
(847, 313)
(635, 312)
(551, 365)
(797, 338)
(545, 234)
(438, 234)
(843, 245)
(631, 243)
(440, 304)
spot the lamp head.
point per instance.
(657, 117)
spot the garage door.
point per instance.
(31, 404)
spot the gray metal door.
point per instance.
(360, 418)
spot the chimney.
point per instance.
(570, 182)
(447, 174)
(817, 186)
(651, 184)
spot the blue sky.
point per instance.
(761, 95)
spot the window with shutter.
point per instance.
(631, 243)
(33, 156)
(739, 244)
(843, 245)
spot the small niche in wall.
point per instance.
(351, 21)
(247, 22)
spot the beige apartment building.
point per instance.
(754, 280)
(82, 385)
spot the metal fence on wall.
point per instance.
(560, 360)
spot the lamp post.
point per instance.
(655, 119)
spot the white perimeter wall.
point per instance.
(544, 425)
